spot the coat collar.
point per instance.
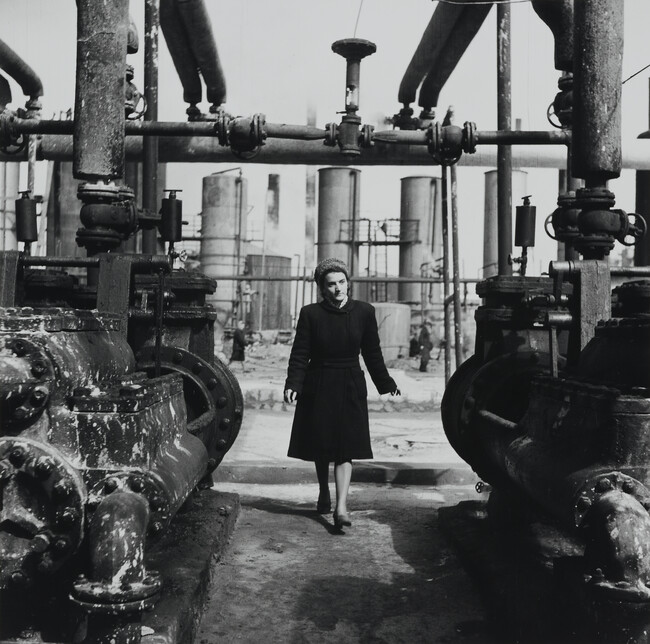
(349, 305)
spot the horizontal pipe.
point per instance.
(281, 152)
(497, 421)
(142, 261)
(570, 267)
(171, 128)
(308, 278)
(483, 137)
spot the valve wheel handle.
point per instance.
(547, 223)
(637, 230)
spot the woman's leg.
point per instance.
(323, 474)
(342, 476)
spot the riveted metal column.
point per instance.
(99, 97)
(150, 143)
(504, 153)
(598, 59)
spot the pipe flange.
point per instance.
(22, 402)
(470, 139)
(94, 192)
(331, 135)
(603, 483)
(208, 388)
(103, 595)
(42, 497)
(142, 483)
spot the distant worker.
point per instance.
(414, 346)
(425, 345)
(239, 346)
(324, 376)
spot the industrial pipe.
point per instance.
(188, 32)
(119, 588)
(460, 36)
(445, 272)
(433, 42)
(99, 90)
(504, 152)
(150, 144)
(558, 16)
(598, 46)
(20, 71)
(455, 266)
(208, 150)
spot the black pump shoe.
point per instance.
(341, 520)
(324, 505)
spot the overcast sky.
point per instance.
(277, 60)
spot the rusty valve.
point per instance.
(349, 134)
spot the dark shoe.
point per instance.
(324, 505)
(341, 520)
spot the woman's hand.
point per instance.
(290, 395)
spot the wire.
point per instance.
(635, 74)
(356, 24)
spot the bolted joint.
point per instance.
(445, 143)
(247, 135)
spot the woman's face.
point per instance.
(335, 287)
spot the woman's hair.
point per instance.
(330, 265)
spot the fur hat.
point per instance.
(330, 265)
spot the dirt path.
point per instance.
(287, 577)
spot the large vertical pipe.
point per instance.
(504, 152)
(642, 249)
(490, 223)
(99, 94)
(458, 341)
(310, 205)
(445, 271)
(338, 199)
(223, 213)
(598, 59)
(9, 182)
(417, 203)
(150, 143)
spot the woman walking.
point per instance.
(330, 423)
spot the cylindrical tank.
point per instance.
(9, 177)
(270, 303)
(490, 237)
(338, 200)
(394, 323)
(223, 226)
(420, 201)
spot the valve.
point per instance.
(26, 227)
(348, 135)
(171, 219)
(524, 233)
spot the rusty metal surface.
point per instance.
(99, 91)
(596, 153)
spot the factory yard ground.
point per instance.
(287, 576)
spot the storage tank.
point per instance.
(9, 180)
(339, 190)
(223, 226)
(490, 232)
(269, 298)
(394, 323)
(421, 252)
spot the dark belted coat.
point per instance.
(331, 417)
